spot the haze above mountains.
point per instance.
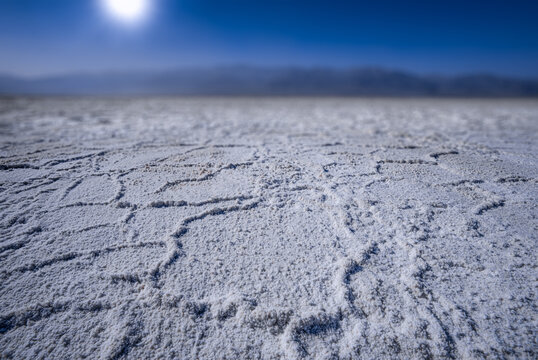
(281, 81)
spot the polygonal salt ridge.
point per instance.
(204, 175)
(212, 156)
(413, 153)
(174, 244)
(274, 320)
(315, 322)
(312, 324)
(93, 189)
(191, 185)
(220, 309)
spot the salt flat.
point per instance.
(268, 228)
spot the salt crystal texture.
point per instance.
(268, 228)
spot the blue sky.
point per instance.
(41, 37)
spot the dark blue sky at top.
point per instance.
(39, 37)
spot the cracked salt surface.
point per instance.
(268, 228)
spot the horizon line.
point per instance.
(164, 70)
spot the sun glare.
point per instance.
(127, 10)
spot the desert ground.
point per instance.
(271, 228)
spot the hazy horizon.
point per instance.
(252, 80)
(209, 67)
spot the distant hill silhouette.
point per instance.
(248, 80)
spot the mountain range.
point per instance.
(280, 81)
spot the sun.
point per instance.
(127, 10)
